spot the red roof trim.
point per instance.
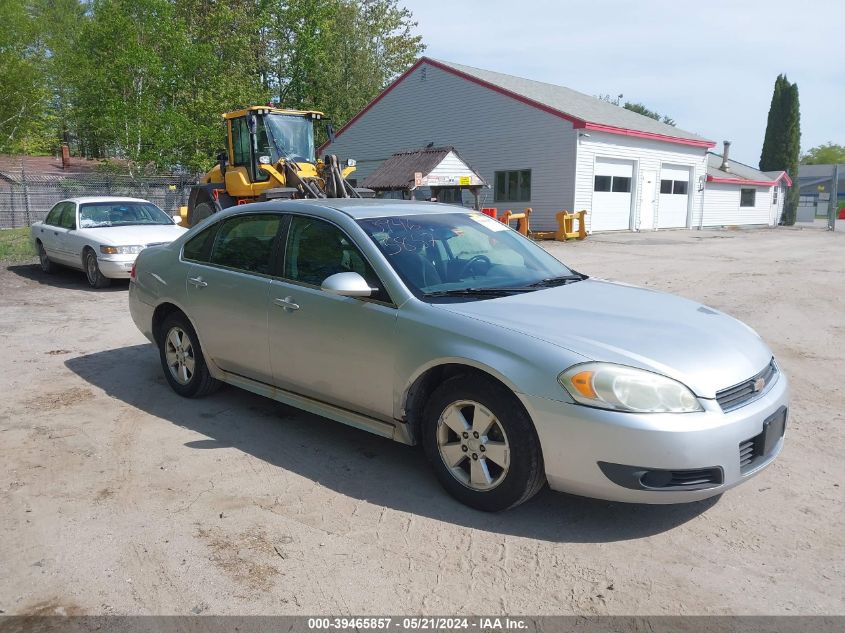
(647, 135)
(753, 183)
(576, 122)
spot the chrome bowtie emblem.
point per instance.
(759, 384)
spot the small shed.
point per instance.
(439, 172)
(738, 194)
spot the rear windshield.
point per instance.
(100, 214)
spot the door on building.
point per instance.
(612, 195)
(673, 207)
(647, 200)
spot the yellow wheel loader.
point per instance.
(269, 155)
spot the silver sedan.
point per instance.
(432, 325)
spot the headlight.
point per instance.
(121, 250)
(623, 388)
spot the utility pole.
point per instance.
(834, 199)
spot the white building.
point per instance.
(737, 194)
(541, 146)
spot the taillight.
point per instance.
(132, 272)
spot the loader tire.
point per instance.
(199, 213)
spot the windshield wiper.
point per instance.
(557, 281)
(473, 292)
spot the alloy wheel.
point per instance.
(179, 353)
(473, 445)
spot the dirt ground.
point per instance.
(119, 497)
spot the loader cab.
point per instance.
(267, 135)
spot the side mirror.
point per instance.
(264, 160)
(177, 219)
(347, 285)
(330, 132)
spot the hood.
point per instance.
(134, 235)
(703, 348)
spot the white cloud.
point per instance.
(711, 66)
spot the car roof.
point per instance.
(85, 199)
(362, 208)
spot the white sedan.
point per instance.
(101, 236)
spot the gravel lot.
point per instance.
(120, 497)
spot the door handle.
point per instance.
(197, 281)
(287, 303)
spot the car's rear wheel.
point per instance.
(182, 359)
(46, 265)
(96, 279)
(199, 213)
(482, 444)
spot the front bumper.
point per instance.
(116, 266)
(576, 439)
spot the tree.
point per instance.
(26, 122)
(639, 108)
(337, 55)
(782, 141)
(824, 154)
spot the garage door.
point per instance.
(612, 195)
(674, 197)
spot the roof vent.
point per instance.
(725, 166)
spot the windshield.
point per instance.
(293, 137)
(448, 253)
(99, 214)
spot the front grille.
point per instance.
(747, 454)
(747, 391)
(677, 479)
(640, 478)
(687, 478)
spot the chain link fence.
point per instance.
(26, 198)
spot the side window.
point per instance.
(68, 218)
(245, 242)
(317, 249)
(198, 248)
(54, 217)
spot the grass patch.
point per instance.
(15, 245)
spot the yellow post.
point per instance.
(522, 219)
(566, 229)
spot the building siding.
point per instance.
(721, 206)
(491, 132)
(647, 155)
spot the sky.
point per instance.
(711, 65)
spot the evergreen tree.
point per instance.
(782, 142)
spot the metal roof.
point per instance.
(740, 172)
(582, 110)
(398, 171)
(573, 103)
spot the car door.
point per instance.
(64, 248)
(48, 231)
(338, 350)
(228, 285)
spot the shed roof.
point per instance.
(742, 174)
(582, 110)
(398, 171)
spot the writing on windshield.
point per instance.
(441, 253)
(101, 214)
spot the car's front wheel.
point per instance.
(182, 359)
(482, 444)
(96, 279)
